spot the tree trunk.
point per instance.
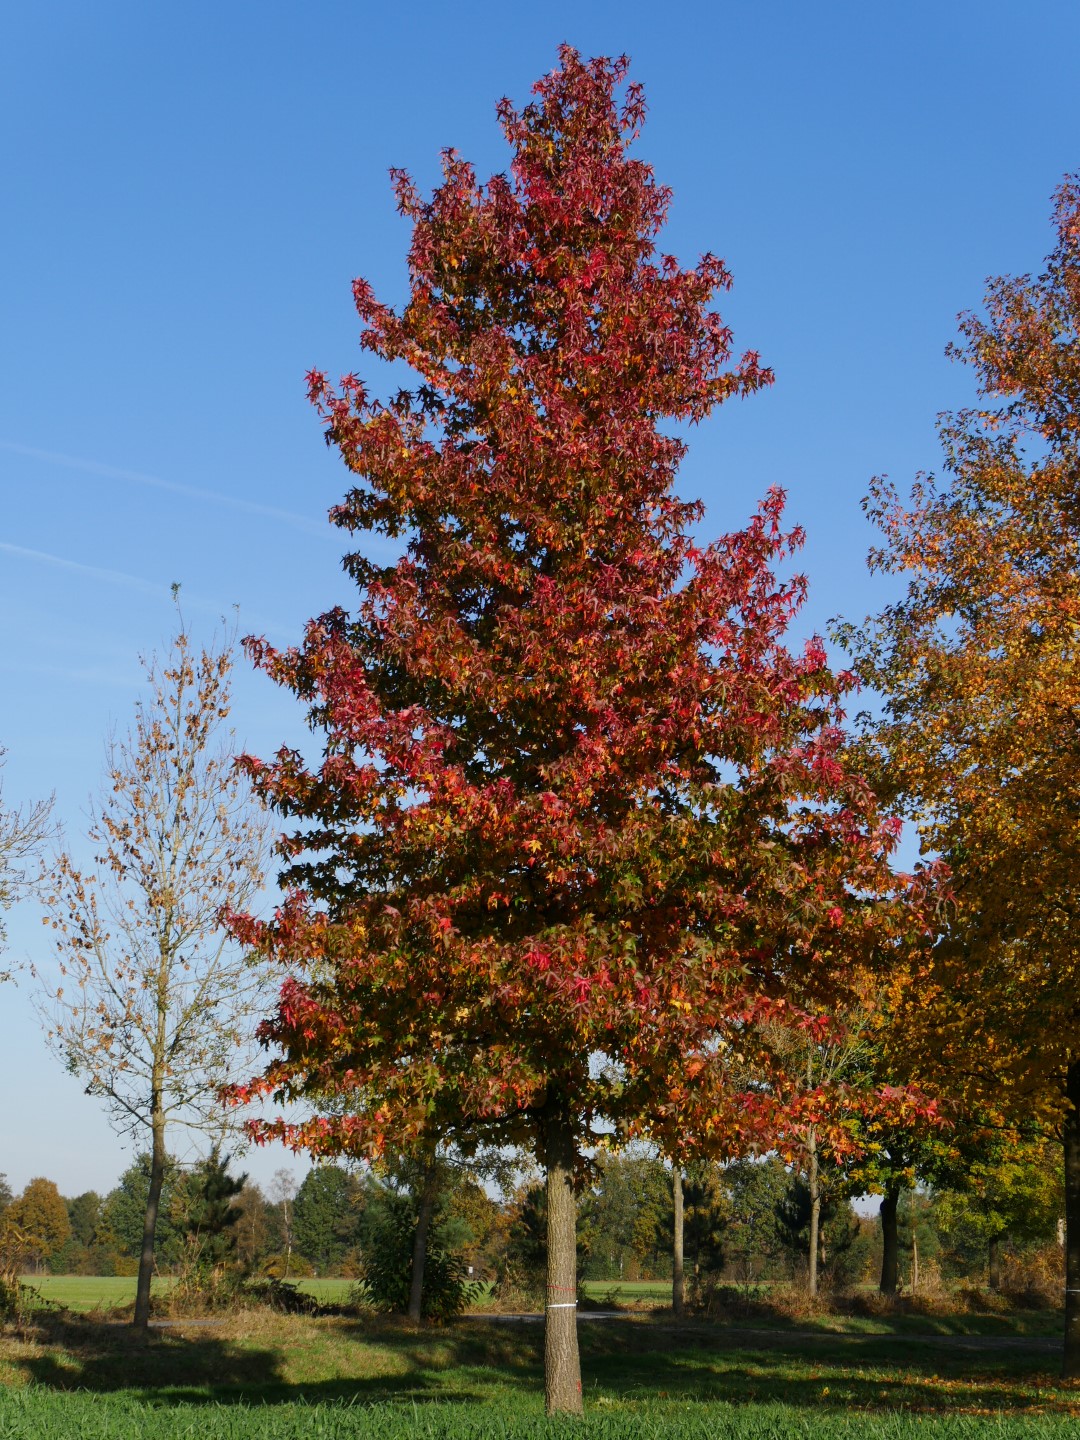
(429, 1187)
(141, 1318)
(1071, 1135)
(890, 1242)
(815, 1207)
(288, 1236)
(993, 1259)
(914, 1260)
(678, 1292)
(562, 1365)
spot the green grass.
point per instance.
(85, 1293)
(36, 1416)
(329, 1291)
(629, 1292)
(298, 1378)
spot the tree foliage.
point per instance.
(388, 1260)
(979, 668)
(977, 665)
(123, 1213)
(580, 814)
(35, 1225)
(625, 1219)
(1012, 1191)
(211, 1216)
(327, 1215)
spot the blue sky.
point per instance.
(189, 190)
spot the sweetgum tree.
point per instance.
(581, 815)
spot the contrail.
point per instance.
(154, 482)
(132, 582)
(114, 577)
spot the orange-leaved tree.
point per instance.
(979, 668)
(581, 814)
(35, 1225)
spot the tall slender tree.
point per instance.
(153, 1004)
(979, 666)
(580, 814)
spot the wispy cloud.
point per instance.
(95, 572)
(84, 674)
(135, 582)
(155, 482)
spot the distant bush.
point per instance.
(278, 1295)
(283, 1266)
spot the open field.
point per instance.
(280, 1377)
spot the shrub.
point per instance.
(386, 1272)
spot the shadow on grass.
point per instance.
(193, 1365)
(361, 1361)
(968, 1312)
(75, 1354)
(826, 1375)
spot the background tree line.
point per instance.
(747, 1224)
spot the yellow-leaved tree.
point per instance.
(979, 737)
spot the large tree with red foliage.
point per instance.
(581, 816)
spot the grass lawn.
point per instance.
(629, 1292)
(297, 1378)
(83, 1293)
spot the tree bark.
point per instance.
(141, 1318)
(1070, 1365)
(678, 1289)
(993, 1261)
(562, 1364)
(814, 1186)
(890, 1242)
(429, 1187)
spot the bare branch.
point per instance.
(22, 833)
(154, 1006)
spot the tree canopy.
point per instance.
(581, 814)
(979, 670)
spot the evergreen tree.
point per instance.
(212, 1216)
(327, 1216)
